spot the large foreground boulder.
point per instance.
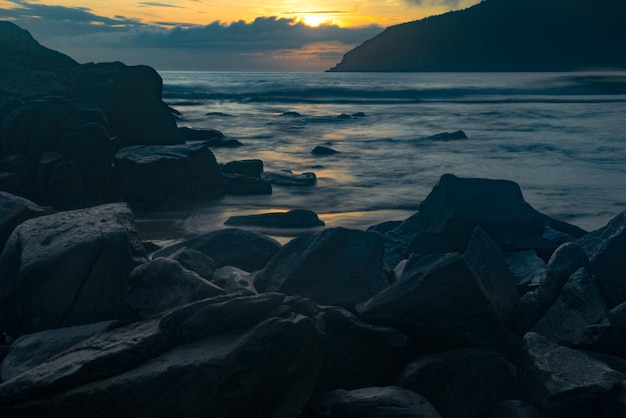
(337, 266)
(150, 177)
(68, 269)
(268, 369)
(131, 99)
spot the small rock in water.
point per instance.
(358, 115)
(190, 134)
(320, 150)
(344, 116)
(448, 136)
(291, 219)
(291, 114)
(287, 178)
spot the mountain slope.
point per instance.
(502, 35)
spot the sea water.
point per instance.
(560, 136)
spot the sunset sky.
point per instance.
(248, 35)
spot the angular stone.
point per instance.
(465, 383)
(557, 377)
(296, 218)
(439, 302)
(69, 268)
(246, 250)
(337, 266)
(234, 280)
(249, 168)
(195, 261)
(605, 248)
(164, 284)
(13, 211)
(388, 402)
(29, 351)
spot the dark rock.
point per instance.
(164, 284)
(243, 185)
(222, 143)
(217, 315)
(556, 377)
(357, 354)
(268, 370)
(520, 409)
(287, 178)
(384, 227)
(249, 168)
(358, 115)
(217, 114)
(388, 402)
(427, 303)
(567, 259)
(68, 269)
(578, 317)
(160, 176)
(606, 248)
(291, 114)
(320, 150)
(234, 280)
(344, 116)
(72, 130)
(247, 250)
(290, 219)
(455, 206)
(13, 211)
(526, 269)
(131, 98)
(337, 266)
(448, 136)
(485, 259)
(462, 383)
(195, 261)
(190, 134)
(31, 350)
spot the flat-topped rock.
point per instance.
(297, 218)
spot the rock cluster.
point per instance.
(329, 325)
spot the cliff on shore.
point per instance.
(502, 35)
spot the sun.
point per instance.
(314, 20)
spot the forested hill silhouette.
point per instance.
(502, 35)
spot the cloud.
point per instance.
(85, 36)
(155, 4)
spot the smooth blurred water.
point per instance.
(561, 136)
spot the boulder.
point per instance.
(72, 130)
(234, 280)
(131, 99)
(485, 258)
(160, 176)
(243, 185)
(373, 402)
(560, 378)
(320, 150)
(249, 168)
(29, 351)
(68, 269)
(13, 211)
(455, 206)
(357, 354)
(337, 266)
(266, 370)
(164, 284)
(465, 383)
(440, 303)
(579, 318)
(605, 248)
(567, 259)
(289, 179)
(246, 250)
(526, 268)
(297, 218)
(190, 134)
(195, 261)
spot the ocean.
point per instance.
(560, 136)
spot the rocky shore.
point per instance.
(477, 305)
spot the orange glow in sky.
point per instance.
(201, 12)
